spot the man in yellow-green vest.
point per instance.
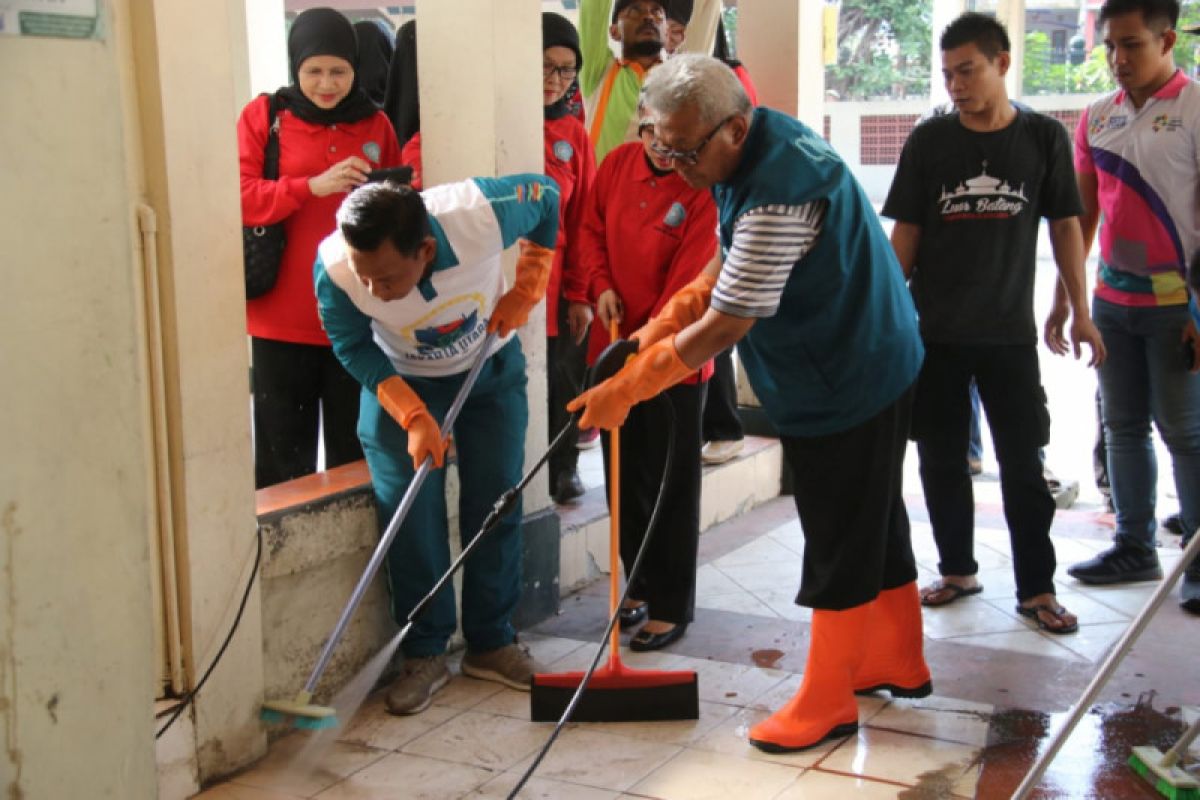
(611, 85)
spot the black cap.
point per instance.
(680, 11)
(557, 31)
(621, 5)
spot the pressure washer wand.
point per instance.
(301, 705)
(500, 508)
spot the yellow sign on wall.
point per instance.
(830, 24)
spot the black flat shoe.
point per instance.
(567, 488)
(633, 616)
(643, 641)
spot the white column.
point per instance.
(944, 12)
(702, 28)
(186, 161)
(1011, 14)
(481, 114)
(267, 67)
(780, 42)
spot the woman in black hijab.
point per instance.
(330, 136)
(374, 57)
(401, 102)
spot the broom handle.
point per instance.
(410, 496)
(614, 529)
(1109, 666)
(1180, 747)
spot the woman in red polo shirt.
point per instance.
(647, 234)
(330, 136)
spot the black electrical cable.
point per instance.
(501, 507)
(191, 696)
(612, 620)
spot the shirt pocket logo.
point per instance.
(563, 150)
(675, 215)
(371, 150)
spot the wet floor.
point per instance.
(1092, 762)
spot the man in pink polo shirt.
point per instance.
(1137, 156)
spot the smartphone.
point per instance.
(394, 174)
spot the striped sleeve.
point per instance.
(767, 243)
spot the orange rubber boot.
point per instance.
(894, 656)
(824, 707)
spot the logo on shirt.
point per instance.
(371, 149)
(529, 191)
(982, 197)
(563, 150)
(1111, 121)
(675, 215)
(1165, 123)
(447, 331)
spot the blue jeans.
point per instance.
(490, 439)
(1144, 377)
(975, 443)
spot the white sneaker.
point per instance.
(720, 452)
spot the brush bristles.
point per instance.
(315, 723)
(1145, 762)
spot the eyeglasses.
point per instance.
(566, 73)
(686, 157)
(651, 10)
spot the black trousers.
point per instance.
(1010, 389)
(298, 390)
(667, 579)
(721, 420)
(566, 366)
(848, 489)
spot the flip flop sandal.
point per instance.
(1056, 611)
(955, 592)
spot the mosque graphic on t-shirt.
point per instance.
(982, 197)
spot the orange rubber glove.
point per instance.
(533, 273)
(654, 369)
(685, 307)
(424, 436)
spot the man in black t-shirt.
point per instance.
(968, 196)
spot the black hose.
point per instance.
(612, 620)
(191, 696)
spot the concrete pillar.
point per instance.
(781, 44)
(702, 29)
(944, 12)
(481, 114)
(1011, 14)
(184, 157)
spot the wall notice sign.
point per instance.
(62, 19)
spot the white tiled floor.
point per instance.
(476, 740)
(475, 743)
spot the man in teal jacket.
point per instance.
(808, 287)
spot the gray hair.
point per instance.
(696, 80)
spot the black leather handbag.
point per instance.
(262, 245)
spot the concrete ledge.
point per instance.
(727, 490)
(319, 533)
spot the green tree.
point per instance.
(883, 49)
